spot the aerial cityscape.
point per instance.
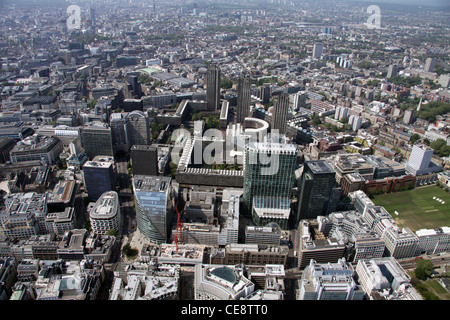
(251, 150)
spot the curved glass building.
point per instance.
(153, 206)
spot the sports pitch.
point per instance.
(416, 208)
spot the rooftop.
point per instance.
(320, 166)
(151, 183)
(270, 147)
(106, 206)
(224, 273)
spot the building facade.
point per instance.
(96, 139)
(268, 180)
(105, 216)
(99, 177)
(213, 78)
(153, 202)
(144, 160)
(331, 281)
(280, 113)
(316, 188)
(243, 103)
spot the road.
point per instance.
(125, 194)
(436, 259)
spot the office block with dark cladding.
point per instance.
(316, 189)
(213, 87)
(144, 160)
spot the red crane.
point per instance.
(179, 227)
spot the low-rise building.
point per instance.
(106, 216)
(61, 280)
(268, 235)
(329, 281)
(385, 279)
(314, 245)
(143, 281)
(24, 215)
(433, 241)
(218, 282)
(41, 148)
(61, 222)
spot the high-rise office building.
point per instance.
(99, 176)
(153, 202)
(419, 160)
(280, 113)
(213, 87)
(326, 30)
(118, 132)
(315, 190)
(135, 88)
(268, 181)
(138, 128)
(92, 16)
(144, 160)
(392, 71)
(96, 139)
(429, 64)
(264, 94)
(243, 99)
(317, 50)
(299, 101)
(408, 118)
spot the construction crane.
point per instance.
(179, 230)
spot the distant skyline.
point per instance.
(410, 2)
(407, 2)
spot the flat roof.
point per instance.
(320, 166)
(151, 183)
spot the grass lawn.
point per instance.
(416, 207)
(435, 287)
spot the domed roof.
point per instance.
(225, 273)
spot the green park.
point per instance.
(426, 207)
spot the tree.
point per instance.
(423, 268)
(366, 64)
(212, 122)
(129, 252)
(430, 110)
(173, 169)
(440, 147)
(406, 81)
(92, 104)
(414, 138)
(145, 79)
(316, 120)
(226, 83)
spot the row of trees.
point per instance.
(211, 120)
(408, 82)
(432, 109)
(440, 148)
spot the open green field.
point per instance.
(416, 207)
